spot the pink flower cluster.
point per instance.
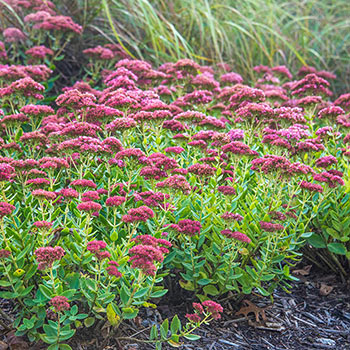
(142, 213)
(236, 235)
(207, 306)
(147, 252)
(46, 256)
(271, 227)
(98, 249)
(187, 227)
(60, 303)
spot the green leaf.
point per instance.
(124, 295)
(114, 236)
(53, 347)
(337, 248)
(268, 277)
(8, 295)
(159, 293)
(4, 283)
(192, 336)
(129, 313)
(69, 293)
(175, 325)
(88, 322)
(263, 291)
(74, 310)
(211, 290)
(112, 317)
(154, 333)
(142, 292)
(164, 329)
(204, 281)
(64, 335)
(45, 291)
(64, 347)
(316, 241)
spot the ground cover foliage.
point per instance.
(137, 180)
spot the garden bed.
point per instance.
(161, 205)
(300, 320)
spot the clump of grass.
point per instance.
(245, 33)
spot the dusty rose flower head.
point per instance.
(26, 87)
(42, 224)
(121, 124)
(227, 190)
(144, 257)
(38, 182)
(175, 183)
(45, 256)
(213, 308)
(192, 116)
(195, 318)
(112, 269)
(232, 78)
(238, 148)
(76, 99)
(236, 235)
(271, 163)
(330, 179)
(142, 213)
(187, 227)
(173, 125)
(99, 52)
(115, 201)
(152, 172)
(59, 23)
(13, 35)
(198, 307)
(39, 52)
(60, 303)
(343, 101)
(7, 172)
(4, 253)
(90, 196)
(230, 217)
(42, 194)
(89, 207)
(69, 193)
(271, 227)
(277, 215)
(330, 112)
(81, 183)
(202, 169)
(325, 162)
(187, 65)
(198, 97)
(98, 249)
(133, 154)
(174, 149)
(311, 84)
(311, 186)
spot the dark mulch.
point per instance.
(315, 315)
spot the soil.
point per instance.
(314, 315)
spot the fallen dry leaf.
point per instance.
(252, 308)
(325, 290)
(303, 272)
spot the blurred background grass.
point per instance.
(243, 33)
